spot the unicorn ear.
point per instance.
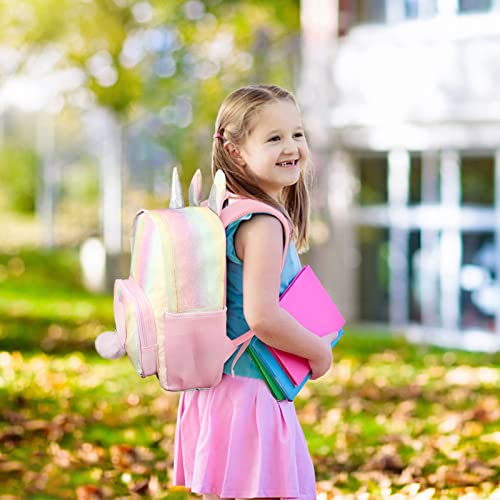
(176, 199)
(217, 193)
(195, 189)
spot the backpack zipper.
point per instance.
(142, 330)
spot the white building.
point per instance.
(413, 161)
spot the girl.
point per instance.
(235, 440)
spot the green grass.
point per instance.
(388, 413)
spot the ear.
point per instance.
(234, 153)
(176, 198)
(217, 193)
(195, 189)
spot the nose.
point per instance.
(290, 146)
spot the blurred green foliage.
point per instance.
(137, 58)
(81, 184)
(18, 173)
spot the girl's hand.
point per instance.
(322, 363)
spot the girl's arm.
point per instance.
(259, 244)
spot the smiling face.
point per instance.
(276, 149)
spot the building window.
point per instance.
(373, 273)
(477, 179)
(415, 276)
(415, 194)
(478, 287)
(373, 181)
(369, 11)
(352, 12)
(474, 5)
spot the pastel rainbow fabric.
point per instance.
(179, 261)
(192, 244)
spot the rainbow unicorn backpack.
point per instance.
(170, 314)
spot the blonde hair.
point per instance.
(234, 123)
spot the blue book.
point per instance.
(274, 369)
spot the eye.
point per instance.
(300, 134)
(274, 137)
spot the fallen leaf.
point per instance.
(12, 466)
(89, 492)
(139, 486)
(389, 463)
(89, 453)
(461, 478)
(36, 425)
(12, 433)
(154, 487)
(122, 455)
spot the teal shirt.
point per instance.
(236, 323)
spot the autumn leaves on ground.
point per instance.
(390, 420)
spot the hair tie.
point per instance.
(218, 136)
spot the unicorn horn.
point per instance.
(176, 199)
(195, 189)
(217, 193)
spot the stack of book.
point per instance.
(309, 303)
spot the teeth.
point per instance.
(286, 163)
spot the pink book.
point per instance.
(309, 303)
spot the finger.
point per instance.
(334, 335)
(331, 336)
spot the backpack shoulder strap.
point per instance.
(238, 207)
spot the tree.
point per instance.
(165, 64)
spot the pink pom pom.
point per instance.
(109, 346)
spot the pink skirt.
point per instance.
(236, 441)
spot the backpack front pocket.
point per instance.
(135, 324)
(196, 347)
